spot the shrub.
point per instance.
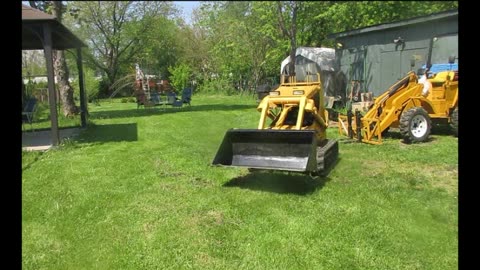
(92, 85)
(217, 86)
(180, 76)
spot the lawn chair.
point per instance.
(171, 98)
(186, 98)
(29, 111)
(155, 98)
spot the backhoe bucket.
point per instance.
(287, 150)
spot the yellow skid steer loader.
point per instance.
(291, 134)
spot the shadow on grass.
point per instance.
(436, 129)
(38, 154)
(158, 110)
(392, 135)
(109, 133)
(49, 128)
(442, 129)
(279, 182)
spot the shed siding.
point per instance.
(385, 62)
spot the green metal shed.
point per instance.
(379, 55)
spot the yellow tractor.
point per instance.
(407, 107)
(291, 134)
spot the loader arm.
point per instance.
(386, 109)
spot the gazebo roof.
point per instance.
(33, 21)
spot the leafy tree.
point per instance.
(33, 63)
(193, 51)
(117, 32)
(312, 30)
(348, 15)
(240, 36)
(161, 47)
(287, 20)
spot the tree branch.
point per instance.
(281, 20)
(96, 19)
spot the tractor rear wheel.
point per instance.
(415, 125)
(454, 122)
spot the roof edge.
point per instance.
(400, 23)
(29, 14)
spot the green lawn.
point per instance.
(136, 191)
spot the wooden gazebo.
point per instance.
(42, 31)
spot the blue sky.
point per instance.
(187, 7)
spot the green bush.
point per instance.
(217, 86)
(124, 100)
(32, 88)
(92, 85)
(180, 76)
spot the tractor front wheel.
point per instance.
(415, 125)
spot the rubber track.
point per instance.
(327, 156)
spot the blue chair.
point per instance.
(155, 98)
(29, 111)
(186, 98)
(171, 98)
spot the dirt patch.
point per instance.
(215, 217)
(204, 259)
(212, 217)
(444, 178)
(375, 167)
(148, 230)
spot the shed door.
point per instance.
(395, 64)
(389, 69)
(357, 66)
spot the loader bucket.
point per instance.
(287, 150)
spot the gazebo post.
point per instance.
(47, 34)
(83, 104)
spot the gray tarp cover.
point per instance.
(318, 60)
(323, 57)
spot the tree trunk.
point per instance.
(291, 65)
(61, 72)
(111, 81)
(290, 33)
(293, 37)
(65, 89)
